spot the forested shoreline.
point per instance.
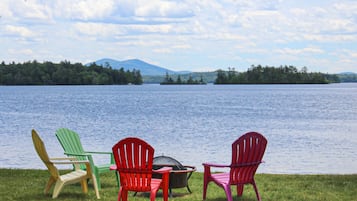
(274, 75)
(65, 73)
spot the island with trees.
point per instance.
(168, 80)
(274, 75)
(65, 73)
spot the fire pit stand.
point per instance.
(179, 175)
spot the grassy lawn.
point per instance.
(19, 184)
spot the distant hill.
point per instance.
(144, 67)
(348, 77)
(347, 73)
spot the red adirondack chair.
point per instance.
(247, 154)
(134, 159)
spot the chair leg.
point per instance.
(240, 188)
(50, 182)
(84, 185)
(165, 194)
(205, 184)
(165, 188)
(124, 195)
(227, 190)
(119, 193)
(95, 185)
(98, 180)
(153, 196)
(58, 187)
(118, 180)
(256, 191)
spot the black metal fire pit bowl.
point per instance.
(179, 175)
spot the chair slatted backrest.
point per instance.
(71, 143)
(247, 154)
(42, 153)
(134, 159)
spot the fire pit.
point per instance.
(180, 174)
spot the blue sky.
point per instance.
(195, 35)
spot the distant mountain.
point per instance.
(347, 73)
(145, 68)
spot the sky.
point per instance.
(194, 35)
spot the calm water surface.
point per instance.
(310, 128)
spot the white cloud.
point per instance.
(25, 11)
(160, 8)
(162, 50)
(324, 24)
(5, 9)
(182, 46)
(83, 9)
(20, 51)
(346, 8)
(354, 55)
(18, 31)
(346, 54)
(306, 50)
(158, 29)
(99, 30)
(171, 48)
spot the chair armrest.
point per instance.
(215, 165)
(98, 152)
(63, 158)
(163, 170)
(71, 161)
(89, 155)
(247, 164)
(76, 154)
(103, 153)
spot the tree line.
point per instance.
(65, 73)
(169, 80)
(274, 75)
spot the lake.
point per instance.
(311, 129)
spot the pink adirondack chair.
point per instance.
(134, 159)
(247, 154)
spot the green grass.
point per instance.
(19, 184)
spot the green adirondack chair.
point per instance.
(72, 147)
